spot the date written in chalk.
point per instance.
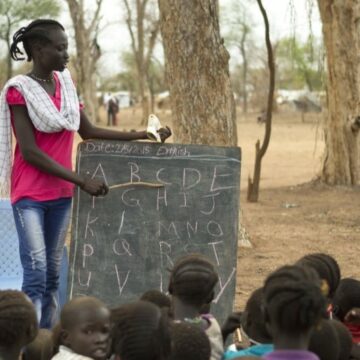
(135, 149)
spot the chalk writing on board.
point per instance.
(125, 243)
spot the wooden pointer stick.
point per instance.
(139, 183)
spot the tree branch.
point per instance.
(271, 66)
(151, 45)
(94, 21)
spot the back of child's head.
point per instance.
(345, 339)
(36, 31)
(324, 341)
(193, 279)
(327, 268)
(140, 332)
(41, 348)
(253, 319)
(157, 298)
(346, 297)
(18, 321)
(293, 302)
(189, 342)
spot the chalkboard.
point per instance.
(165, 200)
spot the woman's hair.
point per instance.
(156, 297)
(347, 296)
(18, 321)
(189, 342)
(38, 30)
(140, 332)
(327, 268)
(253, 319)
(324, 341)
(345, 339)
(193, 279)
(41, 348)
(293, 299)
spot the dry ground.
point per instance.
(293, 216)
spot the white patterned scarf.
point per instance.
(42, 112)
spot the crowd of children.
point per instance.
(304, 311)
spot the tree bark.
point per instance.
(341, 28)
(197, 70)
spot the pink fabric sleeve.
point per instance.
(14, 97)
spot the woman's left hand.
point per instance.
(164, 133)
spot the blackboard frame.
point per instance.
(158, 172)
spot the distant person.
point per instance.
(191, 286)
(262, 117)
(112, 111)
(43, 109)
(84, 330)
(18, 323)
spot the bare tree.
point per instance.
(340, 19)
(87, 52)
(238, 20)
(254, 184)
(143, 25)
(13, 12)
(197, 70)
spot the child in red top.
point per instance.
(43, 109)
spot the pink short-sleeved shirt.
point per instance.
(28, 181)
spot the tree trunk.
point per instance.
(143, 98)
(197, 70)
(245, 67)
(9, 67)
(88, 53)
(341, 30)
(254, 184)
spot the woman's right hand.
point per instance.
(94, 187)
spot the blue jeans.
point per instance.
(42, 228)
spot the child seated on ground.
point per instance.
(18, 323)
(140, 332)
(324, 341)
(328, 270)
(293, 306)
(256, 339)
(84, 330)
(191, 285)
(346, 303)
(344, 338)
(41, 348)
(189, 342)
(157, 298)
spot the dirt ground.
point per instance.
(294, 216)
